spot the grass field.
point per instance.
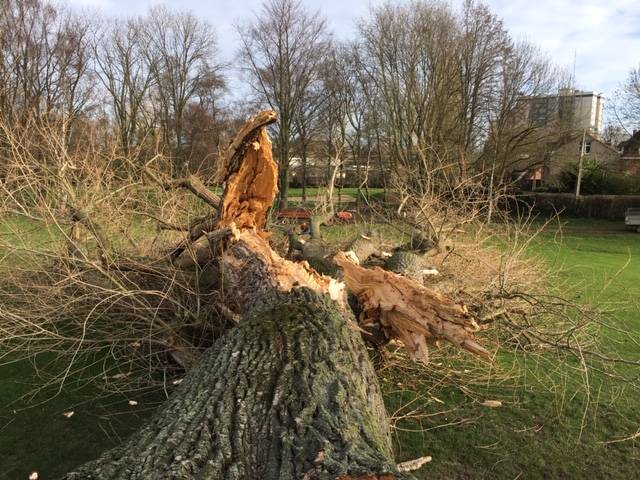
(537, 431)
(535, 434)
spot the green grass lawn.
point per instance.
(535, 434)
(351, 191)
(36, 436)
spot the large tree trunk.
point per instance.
(288, 394)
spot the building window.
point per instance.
(587, 147)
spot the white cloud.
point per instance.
(603, 35)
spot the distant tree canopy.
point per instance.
(425, 96)
(597, 180)
(626, 102)
(155, 79)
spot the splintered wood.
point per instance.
(405, 309)
(252, 260)
(251, 184)
(409, 311)
(251, 176)
(251, 190)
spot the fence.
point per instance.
(610, 207)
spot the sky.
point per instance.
(600, 37)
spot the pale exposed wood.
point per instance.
(409, 311)
(252, 187)
(253, 269)
(240, 143)
(250, 269)
(413, 465)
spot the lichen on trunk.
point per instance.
(288, 394)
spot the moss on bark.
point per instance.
(288, 394)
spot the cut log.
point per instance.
(288, 394)
(410, 264)
(320, 257)
(363, 248)
(419, 242)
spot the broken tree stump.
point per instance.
(407, 263)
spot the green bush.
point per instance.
(596, 180)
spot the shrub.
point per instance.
(596, 180)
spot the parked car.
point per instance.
(632, 219)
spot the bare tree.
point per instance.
(483, 41)
(181, 52)
(282, 51)
(614, 133)
(45, 59)
(44, 62)
(206, 124)
(626, 102)
(123, 71)
(523, 72)
(407, 53)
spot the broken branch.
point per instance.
(408, 311)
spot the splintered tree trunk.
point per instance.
(288, 394)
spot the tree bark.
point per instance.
(407, 263)
(288, 394)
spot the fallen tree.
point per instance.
(147, 306)
(290, 392)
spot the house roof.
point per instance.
(631, 147)
(578, 136)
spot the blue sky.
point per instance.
(603, 35)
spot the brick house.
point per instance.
(630, 157)
(566, 154)
(544, 168)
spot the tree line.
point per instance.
(425, 96)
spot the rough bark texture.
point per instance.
(288, 394)
(319, 256)
(363, 247)
(409, 264)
